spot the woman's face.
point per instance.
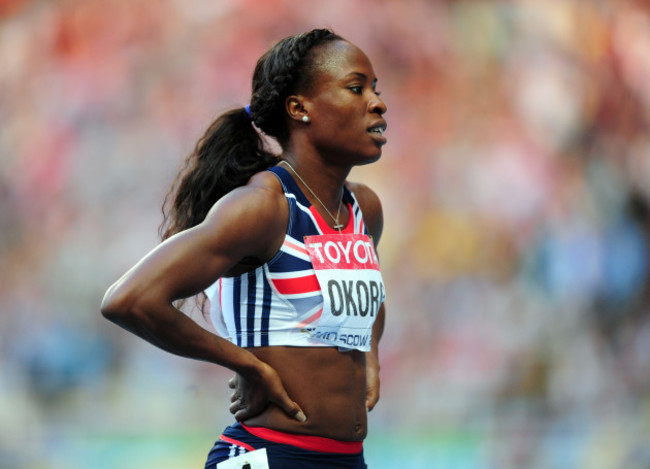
(344, 107)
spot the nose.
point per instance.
(377, 105)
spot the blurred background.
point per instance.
(515, 184)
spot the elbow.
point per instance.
(128, 304)
(117, 305)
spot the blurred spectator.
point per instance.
(518, 275)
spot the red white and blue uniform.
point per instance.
(240, 446)
(281, 302)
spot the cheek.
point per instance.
(347, 118)
(339, 110)
(337, 122)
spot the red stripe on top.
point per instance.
(326, 229)
(220, 290)
(289, 286)
(295, 246)
(232, 441)
(308, 442)
(310, 319)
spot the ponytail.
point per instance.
(232, 150)
(228, 154)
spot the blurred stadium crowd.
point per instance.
(516, 187)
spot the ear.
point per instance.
(296, 106)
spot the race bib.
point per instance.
(348, 272)
(252, 460)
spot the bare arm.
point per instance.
(248, 223)
(373, 217)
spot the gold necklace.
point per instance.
(337, 225)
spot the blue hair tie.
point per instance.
(247, 108)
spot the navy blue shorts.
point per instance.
(286, 450)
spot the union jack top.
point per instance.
(279, 302)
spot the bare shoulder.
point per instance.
(254, 216)
(258, 199)
(266, 187)
(370, 207)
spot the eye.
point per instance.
(356, 89)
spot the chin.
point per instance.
(369, 160)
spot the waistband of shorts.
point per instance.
(309, 442)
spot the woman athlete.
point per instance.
(283, 246)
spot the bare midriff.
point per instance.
(329, 386)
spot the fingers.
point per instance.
(372, 385)
(236, 407)
(242, 415)
(292, 409)
(269, 388)
(299, 415)
(240, 411)
(371, 402)
(372, 397)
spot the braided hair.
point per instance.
(232, 150)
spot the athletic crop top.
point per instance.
(282, 302)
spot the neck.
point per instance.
(325, 181)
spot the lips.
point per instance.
(377, 131)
